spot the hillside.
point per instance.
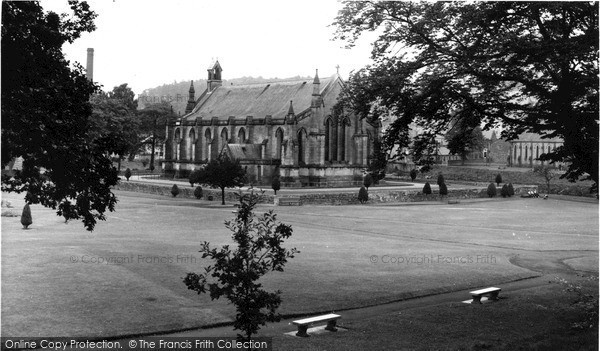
(177, 92)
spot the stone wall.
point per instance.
(322, 198)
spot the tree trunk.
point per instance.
(222, 196)
(153, 145)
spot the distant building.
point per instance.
(286, 128)
(526, 150)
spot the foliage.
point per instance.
(368, 180)
(378, 161)
(413, 174)
(47, 114)
(223, 173)
(153, 121)
(198, 192)
(275, 184)
(127, 174)
(194, 177)
(26, 220)
(498, 178)
(547, 173)
(440, 179)
(175, 190)
(491, 190)
(465, 136)
(504, 191)
(427, 188)
(145, 162)
(443, 189)
(363, 195)
(511, 189)
(529, 66)
(235, 274)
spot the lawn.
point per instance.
(126, 277)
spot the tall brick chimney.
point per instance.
(89, 70)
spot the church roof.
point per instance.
(258, 100)
(536, 138)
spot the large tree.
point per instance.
(46, 114)
(153, 119)
(464, 138)
(527, 66)
(222, 173)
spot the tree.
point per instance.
(223, 173)
(47, 114)
(363, 195)
(194, 177)
(547, 173)
(498, 179)
(275, 184)
(511, 189)
(413, 174)
(504, 191)
(175, 190)
(440, 179)
(464, 138)
(378, 161)
(491, 190)
(443, 190)
(427, 188)
(127, 174)
(368, 180)
(198, 192)
(26, 220)
(153, 120)
(530, 66)
(235, 273)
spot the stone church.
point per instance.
(285, 128)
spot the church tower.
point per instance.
(191, 99)
(214, 76)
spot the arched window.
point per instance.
(301, 146)
(207, 145)
(224, 139)
(342, 140)
(278, 143)
(242, 136)
(329, 140)
(177, 140)
(192, 145)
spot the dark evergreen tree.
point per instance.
(504, 191)
(198, 192)
(443, 190)
(511, 189)
(427, 188)
(368, 180)
(26, 220)
(498, 179)
(275, 184)
(491, 190)
(413, 174)
(175, 190)
(363, 195)
(440, 179)
(127, 174)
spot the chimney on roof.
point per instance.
(89, 70)
(191, 99)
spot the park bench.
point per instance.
(289, 201)
(491, 293)
(303, 324)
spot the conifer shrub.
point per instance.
(175, 190)
(511, 190)
(491, 190)
(198, 192)
(504, 191)
(276, 184)
(368, 180)
(427, 188)
(443, 189)
(26, 220)
(440, 179)
(498, 179)
(127, 174)
(413, 174)
(363, 195)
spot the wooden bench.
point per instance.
(303, 324)
(491, 293)
(289, 201)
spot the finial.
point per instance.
(337, 69)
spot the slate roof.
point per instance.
(258, 100)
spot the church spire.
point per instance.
(191, 99)
(316, 95)
(291, 109)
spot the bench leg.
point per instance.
(331, 326)
(494, 296)
(302, 330)
(476, 299)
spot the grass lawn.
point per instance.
(126, 277)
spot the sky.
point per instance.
(147, 43)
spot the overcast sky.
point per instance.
(147, 43)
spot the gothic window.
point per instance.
(278, 143)
(301, 146)
(224, 139)
(192, 144)
(242, 136)
(207, 145)
(328, 139)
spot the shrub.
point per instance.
(194, 177)
(427, 188)
(368, 180)
(151, 167)
(145, 162)
(127, 174)
(491, 190)
(440, 179)
(498, 179)
(443, 189)
(276, 184)
(363, 195)
(198, 192)
(26, 216)
(511, 190)
(413, 174)
(175, 190)
(504, 191)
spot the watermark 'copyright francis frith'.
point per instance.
(133, 259)
(432, 259)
